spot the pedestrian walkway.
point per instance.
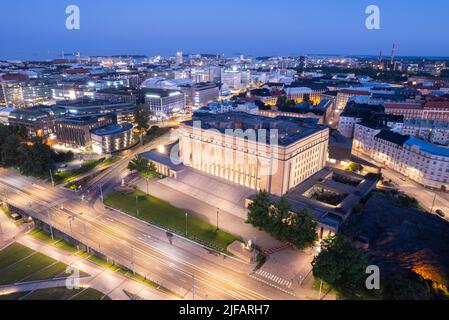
(277, 249)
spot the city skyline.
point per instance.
(36, 30)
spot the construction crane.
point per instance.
(393, 51)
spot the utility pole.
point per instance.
(132, 260)
(218, 212)
(101, 193)
(321, 288)
(433, 202)
(148, 187)
(186, 223)
(51, 177)
(193, 287)
(137, 205)
(50, 223)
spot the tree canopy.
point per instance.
(342, 266)
(278, 219)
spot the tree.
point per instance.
(281, 101)
(258, 214)
(139, 164)
(342, 266)
(401, 287)
(35, 160)
(354, 167)
(301, 230)
(306, 97)
(279, 215)
(9, 151)
(142, 117)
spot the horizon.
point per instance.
(35, 30)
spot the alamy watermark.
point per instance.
(73, 20)
(73, 281)
(233, 148)
(373, 280)
(372, 22)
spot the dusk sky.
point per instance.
(35, 29)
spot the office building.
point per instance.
(164, 103)
(124, 111)
(112, 138)
(200, 94)
(75, 132)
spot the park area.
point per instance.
(163, 214)
(72, 175)
(20, 264)
(56, 294)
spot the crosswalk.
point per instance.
(274, 278)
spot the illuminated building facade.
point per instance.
(24, 94)
(222, 145)
(421, 161)
(75, 132)
(165, 102)
(112, 138)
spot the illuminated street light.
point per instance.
(161, 149)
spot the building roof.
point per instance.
(393, 137)
(114, 128)
(403, 105)
(428, 147)
(288, 129)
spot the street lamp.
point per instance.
(186, 222)
(50, 223)
(137, 205)
(218, 212)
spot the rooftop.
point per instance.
(114, 128)
(393, 137)
(289, 130)
(428, 147)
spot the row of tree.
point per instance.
(31, 157)
(277, 219)
(344, 268)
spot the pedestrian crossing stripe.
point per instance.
(274, 278)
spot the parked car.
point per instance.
(440, 213)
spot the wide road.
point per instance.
(183, 268)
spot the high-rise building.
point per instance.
(179, 58)
(19, 92)
(200, 94)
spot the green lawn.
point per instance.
(161, 213)
(71, 175)
(56, 270)
(57, 242)
(13, 253)
(19, 263)
(110, 161)
(65, 294)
